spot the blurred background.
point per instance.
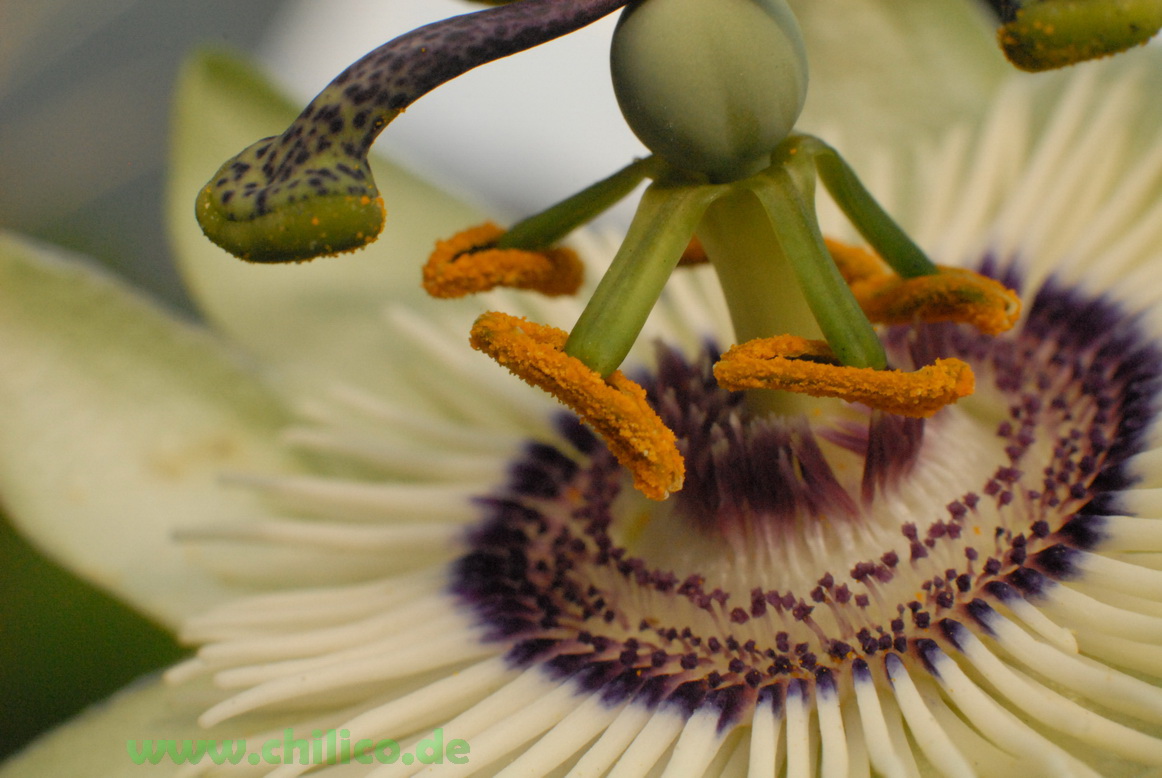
(85, 88)
(85, 92)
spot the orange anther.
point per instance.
(694, 254)
(953, 294)
(469, 262)
(615, 406)
(855, 263)
(809, 367)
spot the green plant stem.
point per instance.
(868, 216)
(756, 279)
(792, 216)
(759, 286)
(659, 233)
(542, 230)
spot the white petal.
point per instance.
(589, 718)
(929, 735)
(424, 708)
(766, 730)
(117, 422)
(646, 750)
(613, 742)
(1053, 710)
(882, 748)
(999, 725)
(103, 739)
(697, 746)
(337, 678)
(834, 740)
(550, 705)
(800, 751)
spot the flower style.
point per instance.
(715, 91)
(835, 590)
(1039, 35)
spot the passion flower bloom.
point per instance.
(834, 590)
(715, 92)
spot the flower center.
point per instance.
(714, 91)
(785, 556)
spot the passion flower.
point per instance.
(714, 89)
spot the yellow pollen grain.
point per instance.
(615, 407)
(469, 263)
(809, 367)
(950, 295)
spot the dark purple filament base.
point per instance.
(546, 577)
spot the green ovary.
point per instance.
(711, 87)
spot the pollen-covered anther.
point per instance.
(796, 364)
(615, 407)
(951, 295)
(855, 264)
(470, 262)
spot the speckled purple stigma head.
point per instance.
(309, 191)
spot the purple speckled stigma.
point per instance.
(408, 67)
(714, 602)
(324, 151)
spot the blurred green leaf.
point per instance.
(63, 644)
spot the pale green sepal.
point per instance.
(322, 318)
(894, 72)
(97, 742)
(117, 421)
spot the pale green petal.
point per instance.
(117, 421)
(100, 741)
(306, 317)
(94, 743)
(892, 71)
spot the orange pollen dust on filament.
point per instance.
(796, 364)
(950, 295)
(470, 262)
(615, 407)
